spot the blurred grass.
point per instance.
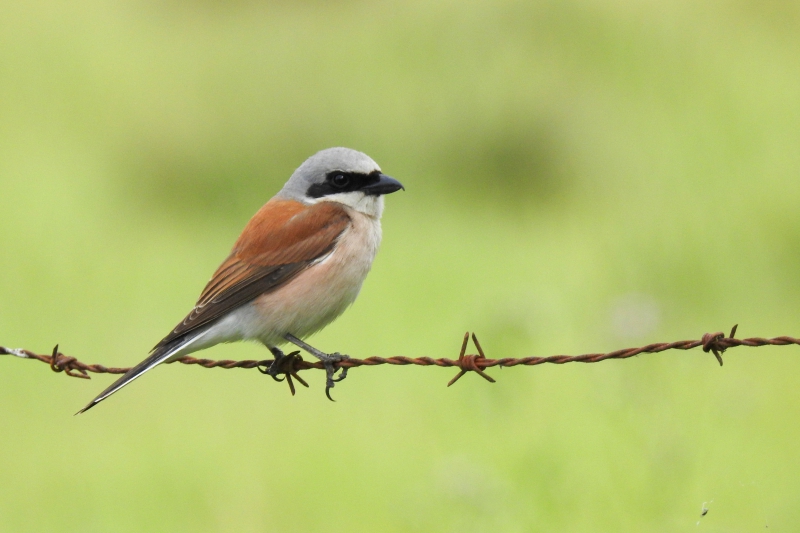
(566, 164)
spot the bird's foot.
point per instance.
(331, 366)
(284, 364)
(329, 360)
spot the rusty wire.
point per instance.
(715, 343)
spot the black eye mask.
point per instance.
(338, 182)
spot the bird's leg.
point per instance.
(328, 359)
(274, 368)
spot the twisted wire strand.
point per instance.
(715, 343)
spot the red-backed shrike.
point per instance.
(298, 264)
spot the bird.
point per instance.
(298, 264)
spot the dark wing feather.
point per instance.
(279, 242)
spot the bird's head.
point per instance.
(341, 175)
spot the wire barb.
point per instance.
(712, 342)
(288, 365)
(469, 363)
(61, 363)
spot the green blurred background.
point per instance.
(581, 176)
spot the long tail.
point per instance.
(159, 355)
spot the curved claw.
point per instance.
(330, 372)
(267, 372)
(271, 371)
(342, 375)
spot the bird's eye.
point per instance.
(340, 181)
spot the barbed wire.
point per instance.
(715, 343)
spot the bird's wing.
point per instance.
(279, 242)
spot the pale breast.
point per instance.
(323, 291)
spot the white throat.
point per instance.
(372, 206)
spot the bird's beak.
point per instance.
(384, 185)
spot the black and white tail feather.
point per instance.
(160, 354)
